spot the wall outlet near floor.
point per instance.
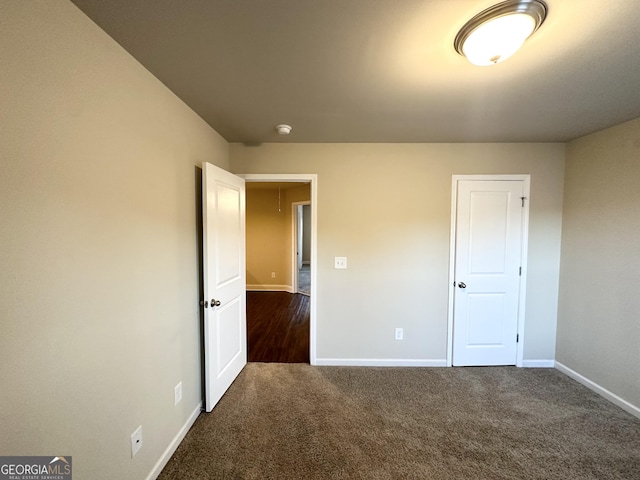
(273, 274)
(136, 441)
(177, 394)
(399, 333)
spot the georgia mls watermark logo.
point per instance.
(35, 468)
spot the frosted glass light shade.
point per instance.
(498, 32)
(498, 39)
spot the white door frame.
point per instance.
(311, 178)
(526, 179)
(296, 242)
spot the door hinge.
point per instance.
(517, 337)
(523, 199)
(520, 271)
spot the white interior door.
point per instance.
(488, 257)
(300, 225)
(225, 325)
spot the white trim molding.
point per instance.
(538, 363)
(612, 397)
(171, 449)
(380, 362)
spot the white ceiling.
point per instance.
(382, 70)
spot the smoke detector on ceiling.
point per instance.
(283, 129)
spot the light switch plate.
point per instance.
(340, 263)
(177, 393)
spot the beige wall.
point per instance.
(598, 320)
(270, 235)
(267, 240)
(387, 207)
(99, 279)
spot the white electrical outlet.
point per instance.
(273, 274)
(399, 333)
(340, 263)
(177, 393)
(136, 441)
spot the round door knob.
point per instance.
(462, 285)
(215, 303)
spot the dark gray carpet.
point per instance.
(295, 421)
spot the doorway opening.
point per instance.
(301, 260)
(281, 252)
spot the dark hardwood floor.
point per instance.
(278, 327)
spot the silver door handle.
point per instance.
(215, 303)
(204, 303)
(462, 285)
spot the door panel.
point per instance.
(225, 345)
(485, 319)
(488, 232)
(228, 251)
(487, 262)
(229, 335)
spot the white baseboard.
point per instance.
(270, 288)
(400, 362)
(379, 362)
(612, 397)
(538, 363)
(166, 456)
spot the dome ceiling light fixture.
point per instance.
(496, 33)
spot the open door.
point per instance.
(225, 325)
(300, 236)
